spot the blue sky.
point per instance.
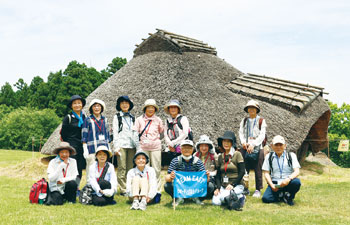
(303, 41)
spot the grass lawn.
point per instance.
(323, 199)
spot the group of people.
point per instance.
(136, 142)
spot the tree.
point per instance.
(113, 67)
(7, 95)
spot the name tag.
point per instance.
(225, 180)
(101, 137)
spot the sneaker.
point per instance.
(143, 205)
(179, 201)
(246, 191)
(287, 199)
(257, 194)
(135, 205)
(197, 201)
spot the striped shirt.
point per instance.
(189, 166)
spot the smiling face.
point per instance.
(140, 161)
(278, 148)
(186, 150)
(227, 144)
(125, 105)
(77, 106)
(252, 111)
(150, 110)
(204, 148)
(64, 154)
(101, 156)
(173, 111)
(96, 109)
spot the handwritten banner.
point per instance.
(190, 184)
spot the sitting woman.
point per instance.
(230, 170)
(141, 182)
(62, 173)
(102, 178)
(206, 153)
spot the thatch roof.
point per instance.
(201, 81)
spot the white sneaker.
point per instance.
(197, 201)
(135, 205)
(257, 194)
(179, 201)
(143, 205)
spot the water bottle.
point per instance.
(42, 197)
(246, 180)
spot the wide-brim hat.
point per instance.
(64, 146)
(121, 99)
(228, 135)
(204, 139)
(105, 149)
(94, 101)
(252, 103)
(73, 98)
(140, 153)
(150, 102)
(173, 102)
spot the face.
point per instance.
(204, 148)
(64, 154)
(96, 109)
(77, 105)
(173, 111)
(125, 105)
(150, 110)
(140, 161)
(226, 144)
(278, 148)
(186, 150)
(252, 111)
(101, 156)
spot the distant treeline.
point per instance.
(35, 110)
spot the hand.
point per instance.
(86, 151)
(216, 192)
(229, 187)
(250, 149)
(172, 149)
(273, 187)
(117, 152)
(148, 199)
(172, 175)
(101, 192)
(208, 175)
(244, 146)
(59, 182)
(285, 182)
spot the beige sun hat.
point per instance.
(104, 148)
(173, 102)
(64, 146)
(252, 103)
(94, 101)
(204, 139)
(278, 139)
(150, 102)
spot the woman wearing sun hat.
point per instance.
(95, 132)
(62, 173)
(141, 182)
(125, 139)
(150, 127)
(176, 128)
(71, 130)
(102, 178)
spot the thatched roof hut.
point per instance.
(213, 93)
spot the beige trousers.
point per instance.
(155, 161)
(139, 186)
(125, 163)
(89, 161)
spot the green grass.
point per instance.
(323, 199)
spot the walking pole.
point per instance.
(174, 198)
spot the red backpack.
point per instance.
(39, 188)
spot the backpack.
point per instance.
(178, 123)
(194, 162)
(289, 159)
(120, 122)
(232, 201)
(39, 191)
(260, 123)
(69, 121)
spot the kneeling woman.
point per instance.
(141, 182)
(102, 178)
(62, 173)
(230, 170)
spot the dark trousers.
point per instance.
(70, 192)
(256, 166)
(271, 196)
(103, 200)
(81, 162)
(169, 188)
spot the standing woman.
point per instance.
(102, 178)
(71, 131)
(150, 127)
(125, 139)
(230, 170)
(176, 128)
(95, 132)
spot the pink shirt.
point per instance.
(150, 139)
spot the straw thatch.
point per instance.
(201, 82)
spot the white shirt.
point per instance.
(127, 138)
(59, 171)
(150, 173)
(94, 174)
(281, 169)
(252, 131)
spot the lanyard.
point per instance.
(99, 127)
(228, 161)
(129, 124)
(98, 167)
(207, 159)
(142, 175)
(278, 162)
(148, 127)
(65, 172)
(251, 132)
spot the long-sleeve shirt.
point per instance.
(59, 171)
(71, 132)
(150, 139)
(176, 135)
(150, 173)
(95, 133)
(95, 174)
(250, 132)
(127, 137)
